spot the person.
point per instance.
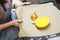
(8, 28)
(16, 3)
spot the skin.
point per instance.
(11, 23)
(23, 3)
(6, 25)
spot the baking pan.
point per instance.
(29, 31)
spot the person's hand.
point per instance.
(15, 22)
(26, 3)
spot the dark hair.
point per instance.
(2, 2)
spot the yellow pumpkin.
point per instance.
(42, 22)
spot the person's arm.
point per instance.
(6, 25)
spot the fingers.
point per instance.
(27, 3)
(19, 21)
(15, 22)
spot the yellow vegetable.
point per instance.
(42, 22)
